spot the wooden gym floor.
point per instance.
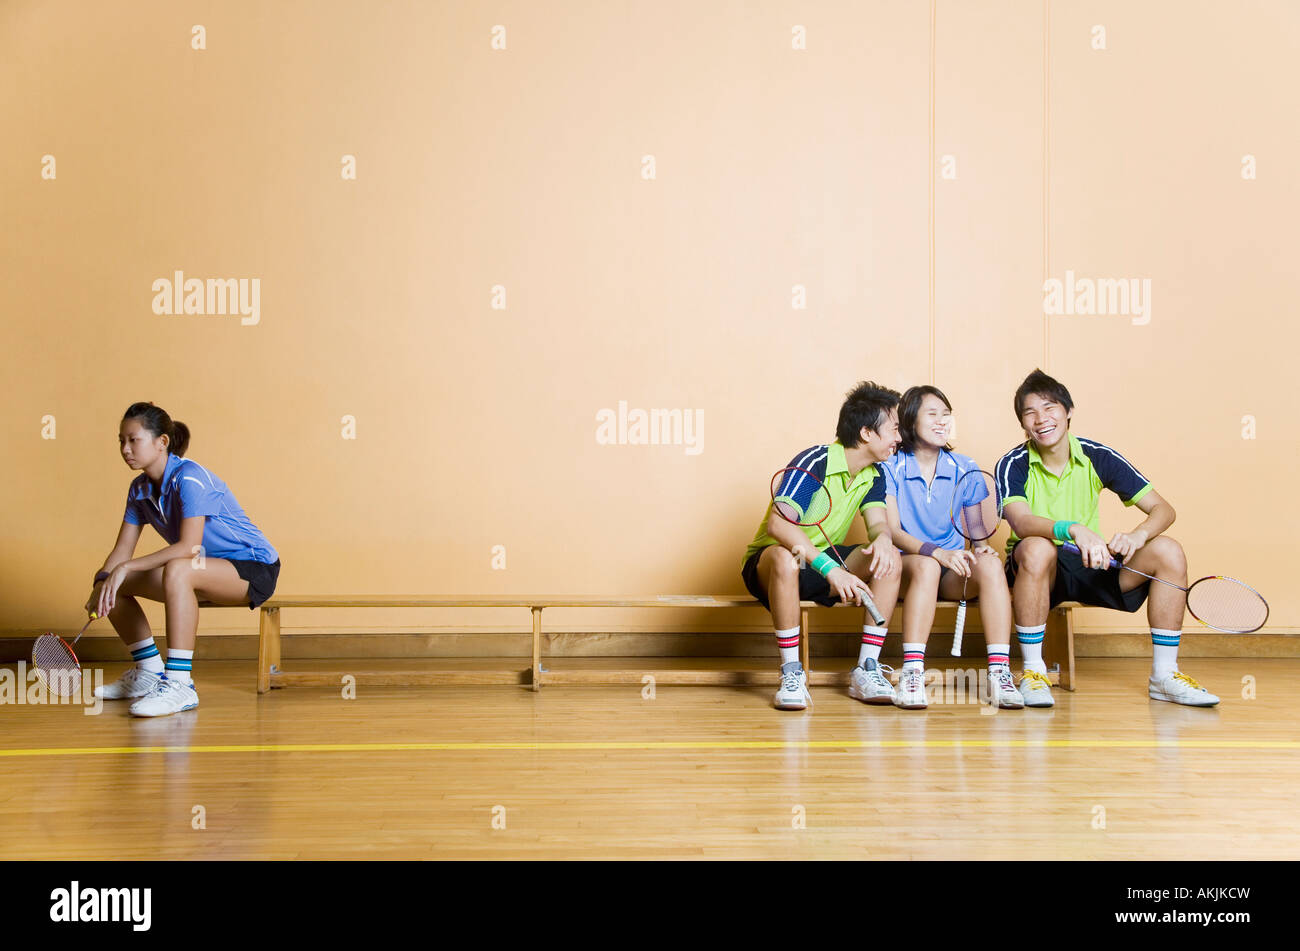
(695, 772)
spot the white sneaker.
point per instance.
(136, 682)
(911, 689)
(1177, 687)
(1002, 689)
(793, 694)
(869, 685)
(168, 696)
(1036, 689)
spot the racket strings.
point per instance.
(976, 510)
(56, 664)
(1227, 605)
(800, 498)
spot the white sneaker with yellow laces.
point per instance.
(1036, 689)
(1177, 687)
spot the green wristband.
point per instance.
(1062, 530)
(825, 564)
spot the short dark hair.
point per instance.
(1041, 384)
(909, 407)
(867, 404)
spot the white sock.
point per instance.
(999, 655)
(146, 656)
(180, 665)
(914, 656)
(1164, 652)
(873, 639)
(788, 643)
(1031, 646)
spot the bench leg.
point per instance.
(1059, 644)
(268, 647)
(805, 642)
(537, 648)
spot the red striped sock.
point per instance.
(999, 655)
(873, 639)
(788, 642)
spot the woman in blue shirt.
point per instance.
(920, 480)
(214, 552)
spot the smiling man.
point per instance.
(785, 564)
(1050, 487)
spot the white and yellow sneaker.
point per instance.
(1036, 689)
(793, 694)
(136, 682)
(1177, 687)
(167, 696)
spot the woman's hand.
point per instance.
(108, 590)
(959, 561)
(92, 602)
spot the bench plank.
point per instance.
(1059, 641)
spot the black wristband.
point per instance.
(100, 576)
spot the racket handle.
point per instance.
(957, 629)
(873, 610)
(1073, 549)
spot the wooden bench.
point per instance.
(1058, 644)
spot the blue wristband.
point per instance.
(1062, 530)
(825, 564)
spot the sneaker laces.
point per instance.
(1034, 678)
(790, 681)
(913, 679)
(1179, 675)
(878, 678)
(158, 689)
(1002, 674)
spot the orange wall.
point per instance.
(522, 167)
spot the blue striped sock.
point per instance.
(1164, 652)
(1031, 646)
(146, 657)
(180, 665)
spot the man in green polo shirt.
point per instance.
(785, 562)
(1050, 488)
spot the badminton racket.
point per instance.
(56, 662)
(1217, 601)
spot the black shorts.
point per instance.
(813, 585)
(1095, 587)
(261, 579)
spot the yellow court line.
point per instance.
(670, 745)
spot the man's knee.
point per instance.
(1035, 556)
(782, 564)
(1169, 554)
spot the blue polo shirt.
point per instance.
(189, 490)
(925, 511)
